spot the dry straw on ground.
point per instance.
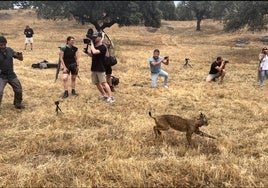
(112, 145)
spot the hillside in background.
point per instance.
(95, 144)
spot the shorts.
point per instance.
(29, 40)
(210, 77)
(71, 69)
(98, 77)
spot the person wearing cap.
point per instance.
(98, 71)
(7, 74)
(69, 61)
(28, 32)
(263, 67)
(217, 69)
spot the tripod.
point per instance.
(57, 107)
(186, 64)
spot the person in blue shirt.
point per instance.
(155, 67)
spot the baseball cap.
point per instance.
(95, 35)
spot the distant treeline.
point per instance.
(234, 15)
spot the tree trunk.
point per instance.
(198, 24)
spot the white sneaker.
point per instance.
(110, 100)
(165, 86)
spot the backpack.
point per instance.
(109, 60)
(115, 81)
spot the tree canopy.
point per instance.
(102, 14)
(234, 14)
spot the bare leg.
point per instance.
(65, 81)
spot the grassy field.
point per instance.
(95, 144)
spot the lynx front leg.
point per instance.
(204, 134)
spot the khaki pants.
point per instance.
(16, 86)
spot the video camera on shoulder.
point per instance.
(90, 35)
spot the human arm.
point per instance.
(93, 49)
(76, 58)
(61, 54)
(156, 62)
(221, 66)
(261, 56)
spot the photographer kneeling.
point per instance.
(98, 75)
(217, 69)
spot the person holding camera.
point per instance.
(69, 61)
(217, 69)
(98, 71)
(263, 67)
(28, 32)
(7, 74)
(155, 67)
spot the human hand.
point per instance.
(19, 56)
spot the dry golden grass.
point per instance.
(94, 144)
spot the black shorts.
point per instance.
(72, 69)
(108, 70)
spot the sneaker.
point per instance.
(110, 100)
(65, 95)
(104, 98)
(165, 86)
(74, 92)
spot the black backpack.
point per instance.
(115, 81)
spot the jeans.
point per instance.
(16, 86)
(263, 76)
(154, 77)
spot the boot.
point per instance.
(19, 106)
(74, 92)
(65, 95)
(18, 100)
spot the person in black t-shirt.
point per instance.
(69, 62)
(217, 69)
(98, 71)
(28, 32)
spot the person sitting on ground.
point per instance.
(217, 69)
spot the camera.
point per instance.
(89, 36)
